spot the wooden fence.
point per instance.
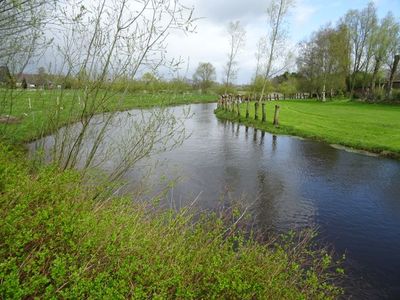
(232, 103)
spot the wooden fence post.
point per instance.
(238, 108)
(256, 110)
(247, 108)
(263, 112)
(276, 115)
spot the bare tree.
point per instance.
(260, 56)
(22, 31)
(102, 43)
(237, 35)
(277, 13)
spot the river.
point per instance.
(353, 199)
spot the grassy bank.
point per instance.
(36, 109)
(371, 127)
(56, 241)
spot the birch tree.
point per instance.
(277, 13)
(237, 36)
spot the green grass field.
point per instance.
(371, 127)
(36, 108)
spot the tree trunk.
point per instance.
(392, 73)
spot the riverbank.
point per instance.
(369, 127)
(35, 110)
(64, 239)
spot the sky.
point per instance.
(210, 42)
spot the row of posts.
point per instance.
(232, 103)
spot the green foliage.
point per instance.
(204, 76)
(57, 242)
(225, 89)
(396, 95)
(323, 63)
(258, 83)
(372, 127)
(290, 86)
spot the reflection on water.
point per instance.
(353, 199)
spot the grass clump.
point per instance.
(371, 127)
(60, 241)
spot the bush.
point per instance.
(58, 242)
(396, 95)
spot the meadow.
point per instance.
(363, 126)
(40, 112)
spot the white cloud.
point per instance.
(303, 13)
(220, 11)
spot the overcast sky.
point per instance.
(210, 43)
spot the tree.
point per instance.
(21, 31)
(277, 13)
(393, 70)
(5, 76)
(204, 76)
(360, 26)
(385, 38)
(41, 77)
(260, 56)
(102, 44)
(24, 84)
(237, 35)
(323, 60)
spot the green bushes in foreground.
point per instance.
(58, 242)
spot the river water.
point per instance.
(353, 199)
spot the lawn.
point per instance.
(41, 111)
(372, 127)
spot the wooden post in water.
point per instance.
(264, 117)
(247, 108)
(276, 115)
(238, 108)
(256, 110)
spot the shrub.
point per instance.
(58, 242)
